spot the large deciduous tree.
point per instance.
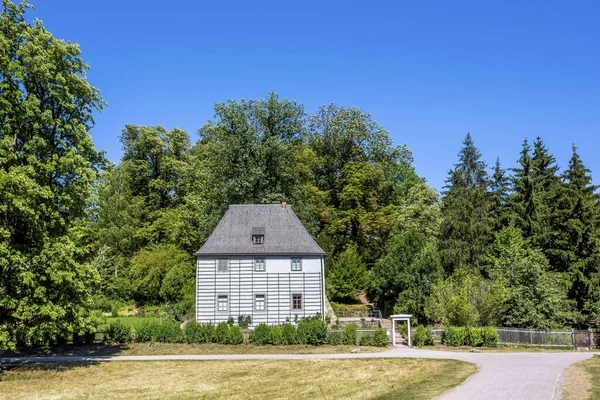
(47, 166)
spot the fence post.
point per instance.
(590, 338)
(573, 339)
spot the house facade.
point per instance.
(260, 262)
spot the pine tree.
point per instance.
(465, 231)
(500, 193)
(575, 249)
(522, 205)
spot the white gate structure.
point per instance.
(399, 318)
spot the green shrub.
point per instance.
(350, 334)
(193, 333)
(311, 331)
(118, 333)
(244, 321)
(454, 336)
(473, 336)
(422, 336)
(276, 335)
(207, 333)
(380, 338)
(230, 321)
(146, 332)
(221, 333)
(489, 336)
(261, 335)
(235, 335)
(288, 333)
(169, 332)
(366, 339)
(334, 338)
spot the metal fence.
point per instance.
(532, 337)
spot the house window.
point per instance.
(259, 302)
(296, 264)
(259, 264)
(222, 302)
(222, 265)
(297, 301)
(258, 239)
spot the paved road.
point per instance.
(501, 376)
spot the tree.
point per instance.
(522, 202)
(500, 191)
(152, 265)
(348, 276)
(466, 299)
(402, 279)
(47, 166)
(574, 246)
(536, 298)
(465, 231)
(340, 135)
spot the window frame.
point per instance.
(264, 296)
(227, 265)
(218, 303)
(299, 268)
(256, 237)
(256, 264)
(301, 301)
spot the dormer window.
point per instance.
(258, 239)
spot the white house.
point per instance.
(259, 261)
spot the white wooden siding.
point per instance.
(241, 283)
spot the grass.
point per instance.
(133, 322)
(582, 380)
(144, 349)
(270, 379)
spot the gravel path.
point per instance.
(501, 375)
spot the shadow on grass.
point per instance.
(66, 350)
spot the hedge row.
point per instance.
(469, 336)
(311, 331)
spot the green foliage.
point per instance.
(221, 333)
(470, 336)
(194, 333)
(289, 334)
(146, 332)
(465, 231)
(160, 272)
(207, 333)
(403, 278)
(349, 336)
(347, 277)
(276, 336)
(489, 336)
(117, 332)
(380, 338)
(261, 335)
(454, 336)
(467, 299)
(244, 321)
(169, 332)
(422, 336)
(367, 339)
(334, 338)
(235, 335)
(311, 331)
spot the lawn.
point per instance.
(256, 379)
(582, 380)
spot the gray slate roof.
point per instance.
(283, 232)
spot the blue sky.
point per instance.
(428, 71)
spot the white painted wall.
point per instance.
(241, 283)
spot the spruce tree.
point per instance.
(575, 249)
(522, 205)
(466, 226)
(500, 195)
